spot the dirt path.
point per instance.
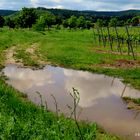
(32, 49)
(9, 57)
(35, 55)
(31, 52)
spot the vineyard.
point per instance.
(122, 39)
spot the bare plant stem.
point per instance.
(46, 105)
(123, 90)
(130, 47)
(80, 113)
(56, 106)
(57, 110)
(112, 81)
(108, 31)
(41, 100)
(137, 113)
(118, 41)
(76, 100)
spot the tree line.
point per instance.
(30, 17)
(40, 20)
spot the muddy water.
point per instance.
(100, 96)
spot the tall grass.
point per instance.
(22, 120)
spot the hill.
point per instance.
(92, 15)
(7, 12)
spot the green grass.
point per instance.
(19, 118)
(22, 120)
(70, 48)
(28, 61)
(77, 50)
(18, 38)
(74, 49)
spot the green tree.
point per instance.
(45, 20)
(99, 23)
(120, 23)
(89, 24)
(105, 23)
(113, 22)
(65, 23)
(135, 21)
(128, 22)
(40, 24)
(10, 22)
(81, 22)
(1, 21)
(58, 20)
(49, 19)
(26, 18)
(72, 22)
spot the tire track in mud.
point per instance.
(31, 52)
(9, 57)
(35, 55)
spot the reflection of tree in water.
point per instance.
(137, 114)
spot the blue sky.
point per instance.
(99, 5)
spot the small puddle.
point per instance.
(100, 95)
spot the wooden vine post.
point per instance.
(102, 37)
(118, 45)
(130, 47)
(108, 32)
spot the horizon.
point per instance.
(76, 9)
(80, 5)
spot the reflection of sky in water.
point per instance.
(27, 78)
(91, 86)
(99, 98)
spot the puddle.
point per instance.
(100, 96)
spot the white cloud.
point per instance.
(56, 1)
(73, 4)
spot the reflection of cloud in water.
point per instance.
(95, 86)
(92, 87)
(24, 78)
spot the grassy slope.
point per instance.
(79, 54)
(11, 37)
(73, 49)
(19, 118)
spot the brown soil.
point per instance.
(121, 63)
(32, 50)
(9, 57)
(36, 55)
(127, 63)
(112, 52)
(132, 105)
